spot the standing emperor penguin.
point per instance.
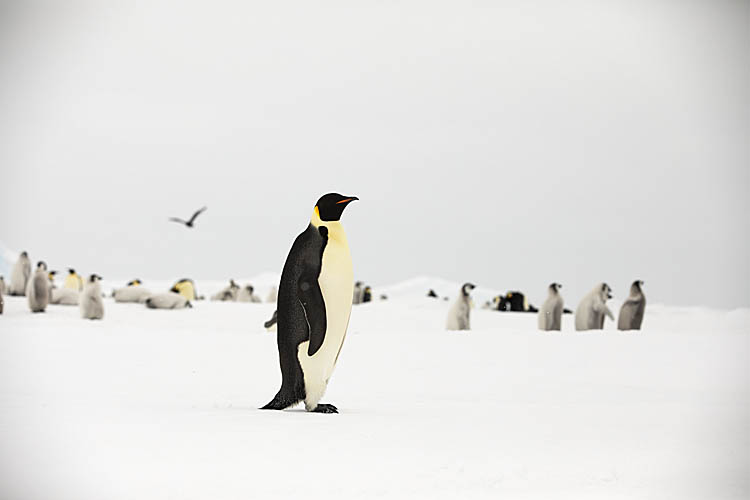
(631, 312)
(593, 307)
(314, 305)
(550, 314)
(38, 290)
(458, 315)
(19, 277)
(90, 301)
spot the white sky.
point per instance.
(506, 143)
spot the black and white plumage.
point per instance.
(550, 314)
(313, 308)
(188, 223)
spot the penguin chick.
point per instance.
(38, 289)
(550, 314)
(90, 300)
(458, 315)
(633, 309)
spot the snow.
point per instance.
(163, 404)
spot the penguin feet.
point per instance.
(324, 408)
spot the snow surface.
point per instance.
(163, 404)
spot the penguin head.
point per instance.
(94, 278)
(555, 287)
(25, 254)
(135, 282)
(232, 284)
(467, 288)
(330, 206)
(635, 288)
(41, 265)
(51, 275)
(250, 289)
(71, 270)
(606, 291)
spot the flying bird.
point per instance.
(188, 223)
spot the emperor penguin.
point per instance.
(315, 302)
(73, 280)
(37, 291)
(19, 277)
(90, 300)
(168, 300)
(631, 312)
(367, 295)
(2, 285)
(132, 293)
(64, 297)
(458, 315)
(246, 294)
(593, 307)
(228, 294)
(186, 288)
(550, 314)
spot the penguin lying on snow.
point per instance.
(632, 310)
(228, 294)
(458, 315)
(131, 293)
(19, 277)
(64, 297)
(168, 300)
(593, 307)
(315, 301)
(90, 300)
(513, 301)
(550, 314)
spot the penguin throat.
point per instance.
(335, 229)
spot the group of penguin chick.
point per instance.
(589, 315)
(40, 290)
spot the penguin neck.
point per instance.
(335, 229)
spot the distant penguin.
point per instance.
(73, 281)
(273, 294)
(383, 296)
(367, 294)
(186, 288)
(135, 282)
(64, 297)
(315, 302)
(270, 325)
(228, 294)
(432, 294)
(593, 307)
(2, 292)
(132, 293)
(357, 295)
(19, 277)
(458, 315)
(90, 300)
(632, 310)
(168, 300)
(550, 314)
(245, 294)
(2, 286)
(37, 292)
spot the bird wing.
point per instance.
(196, 214)
(311, 298)
(175, 219)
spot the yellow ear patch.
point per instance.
(317, 212)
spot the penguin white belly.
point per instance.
(336, 282)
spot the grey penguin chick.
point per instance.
(37, 291)
(245, 294)
(633, 309)
(167, 300)
(132, 293)
(458, 315)
(19, 277)
(593, 308)
(90, 300)
(550, 314)
(64, 297)
(314, 306)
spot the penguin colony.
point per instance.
(314, 301)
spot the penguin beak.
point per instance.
(347, 200)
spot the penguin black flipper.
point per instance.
(311, 298)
